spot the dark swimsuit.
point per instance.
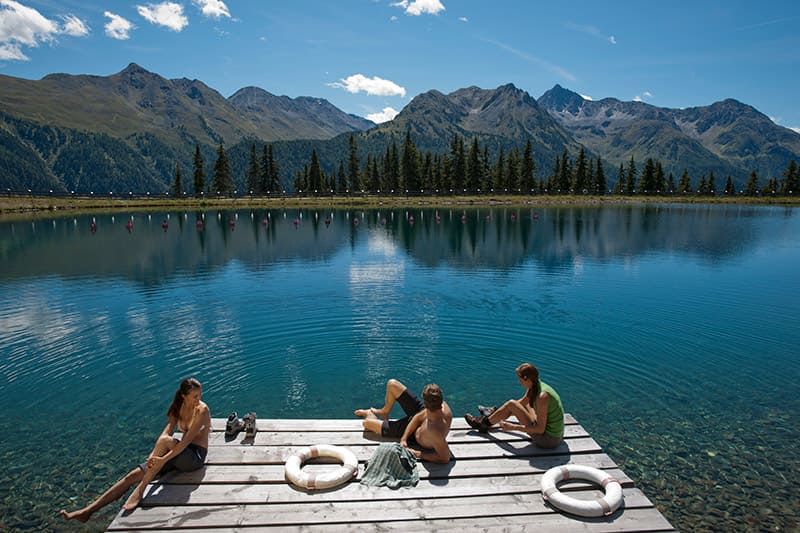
(192, 458)
(411, 405)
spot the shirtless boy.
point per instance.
(427, 422)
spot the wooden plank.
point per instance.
(353, 513)
(221, 494)
(245, 473)
(332, 424)
(279, 454)
(346, 438)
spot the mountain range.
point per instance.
(127, 131)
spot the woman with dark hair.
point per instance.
(192, 417)
(539, 412)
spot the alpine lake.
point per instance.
(671, 333)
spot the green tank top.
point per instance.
(555, 412)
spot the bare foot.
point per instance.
(81, 515)
(372, 412)
(133, 500)
(363, 413)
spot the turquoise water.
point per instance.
(670, 332)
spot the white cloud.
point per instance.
(774, 119)
(374, 86)
(641, 97)
(213, 8)
(796, 130)
(393, 18)
(22, 26)
(637, 98)
(647, 94)
(74, 26)
(420, 7)
(167, 14)
(612, 39)
(385, 115)
(591, 30)
(586, 97)
(117, 27)
(463, 19)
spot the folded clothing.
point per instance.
(391, 466)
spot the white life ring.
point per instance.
(604, 506)
(326, 480)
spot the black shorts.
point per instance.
(411, 405)
(192, 458)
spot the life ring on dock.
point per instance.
(334, 478)
(604, 506)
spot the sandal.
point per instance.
(234, 425)
(250, 428)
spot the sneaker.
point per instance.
(250, 426)
(486, 411)
(481, 423)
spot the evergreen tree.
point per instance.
(565, 176)
(670, 184)
(474, 167)
(459, 161)
(630, 178)
(353, 165)
(528, 172)
(177, 186)
(199, 174)
(751, 187)
(301, 181)
(685, 184)
(770, 188)
(702, 187)
(426, 183)
(374, 176)
(660, 182)
(648, 179)
(264, 178)
(791, 183)
(314, 173)
(600, 178)
(223, 180)
(512, 174)
(486, 173)
(729, 189)
(253, 172)
(712, 186)
(619, 187)
(274, 172)
(580, 181)
(394, 168)
(499, 174)
(409, 169)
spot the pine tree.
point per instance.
(512, 173)
(459, 160)
(528, 172)
(474, 167)
(619, 187)
(702, 187)
(353, 165)
(177, 186)
(791, 183)
(253, 172)
(274, 172)
(374, 176)
(660, 182)
(685, 184)
(600, 178)
(751, 187)
(579, 183)
(648, 179)
(630, 178)
(223, 181)
(499, 174)
(314, 173)
(199, 175)
(565, 177)
(729, 190)
(409, 169)
(341, 181)
(670, 184)
(394, 168)
(712, 186)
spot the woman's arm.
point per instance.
(540, 422)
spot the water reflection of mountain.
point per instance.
(494, 238)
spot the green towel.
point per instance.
(391, 466)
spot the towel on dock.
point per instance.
(391, 466)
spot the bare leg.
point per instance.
(511, 408)
(372, 417)
(114, 493)
(163, 445)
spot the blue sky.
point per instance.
(369, 55)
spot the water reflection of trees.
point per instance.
(464, 238)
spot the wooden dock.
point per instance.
(492, 485)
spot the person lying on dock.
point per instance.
(191, 416)
(539, 412)
(427, 422)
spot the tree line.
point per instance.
(466, 168)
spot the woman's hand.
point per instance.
(155, 461)
(505, 425)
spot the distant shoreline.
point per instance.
(38, 205)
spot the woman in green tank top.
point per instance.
(539, 412)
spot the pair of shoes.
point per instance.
(486, 411)
(481, 423)
(234, 425)
(250, 425)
